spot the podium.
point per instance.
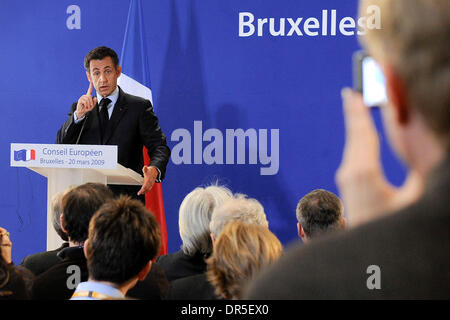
(66, 165)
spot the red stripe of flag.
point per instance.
(154, 203)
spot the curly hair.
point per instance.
(240, 252)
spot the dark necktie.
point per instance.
(104, 117)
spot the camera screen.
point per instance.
(373, 82)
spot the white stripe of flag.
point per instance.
(131, 86)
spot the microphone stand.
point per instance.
(82, 127)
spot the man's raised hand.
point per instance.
(86, 102)
(363, 187)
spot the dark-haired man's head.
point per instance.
(78, 206)
(100, 53)
(319, 212)
(102, 69)
(123, 239)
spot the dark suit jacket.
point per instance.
(132, 125)
(411, 247)
(42, 261)
(179, 265)
(191, 288)
(52, 284)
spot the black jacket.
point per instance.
(195, 287)
(132, 125)
(179, 265)
(53, 284)
(42, 261)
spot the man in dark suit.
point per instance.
(398, 247)
(114, 117)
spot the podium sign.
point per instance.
(63, 156)
(66, 165)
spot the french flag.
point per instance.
(24, 155)
(135, 80)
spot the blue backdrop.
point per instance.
(205, 75)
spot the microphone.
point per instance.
(82, 127)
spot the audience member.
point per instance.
(400, 248)
(319, 212)
(239, 208)
(78, 206)
(15, 282)
(240, 252)
(123, 239)
(40, 262)
(194, 218)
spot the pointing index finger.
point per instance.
(89, 92)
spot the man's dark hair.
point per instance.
(123, 237)
(318, 212)
(79, 205)
(100, 53)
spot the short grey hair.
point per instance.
(240, 208)
(194, 217)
